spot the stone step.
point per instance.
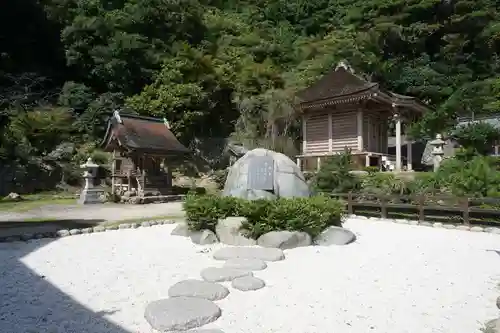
(181, 313)
(220, 274)
(199, 289)
(249, 252)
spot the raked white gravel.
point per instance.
(394, 279)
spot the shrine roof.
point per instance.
(342, 85)
(142, 134)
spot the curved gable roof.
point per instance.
(343, 86)
(141, 134)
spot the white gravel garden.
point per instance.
(395, 278)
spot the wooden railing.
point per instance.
(424, 207)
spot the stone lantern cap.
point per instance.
(89, 164)
(438, 141)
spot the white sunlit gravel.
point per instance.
(393, 279)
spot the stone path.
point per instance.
(191, 304)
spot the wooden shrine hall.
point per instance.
(344, 111)
(143, 149)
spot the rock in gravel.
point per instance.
(99, 229)
(75, 232)
(204, 237)
(199, 289)
(335, 236)
(492, 326)
(146, 224)
(124, 226)
(181, 313)
(284, 239)
(477, 229)
(181, 229)
(246, 283)
(87, 230)
(63, 233)
(27, 237)
(220, 274)
(229, 232)
(251, 252)
(246, 264)
(111, 227)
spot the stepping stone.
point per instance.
(262, 253)
(181, 313)
(247, 283)
(219, 274)
(200, 289)
(246, 264)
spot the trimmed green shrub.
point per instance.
(311, 215)
(335, 176)
(202, 211)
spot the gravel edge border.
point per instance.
(102, 228)
(492, 230)
(71, 232)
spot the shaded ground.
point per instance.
(50, 218)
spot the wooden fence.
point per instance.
(469, 210)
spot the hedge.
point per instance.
(311, 215)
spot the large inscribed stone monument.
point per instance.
(265, 174)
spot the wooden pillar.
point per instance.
(359, 123)
(113, 171)
(304, 135)
(318, 163)
(409, 155)
(397, 118)
(299, 164)
(367, 161)
(330, 132)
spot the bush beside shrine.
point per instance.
(311, 215)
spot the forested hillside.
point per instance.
(215, 68)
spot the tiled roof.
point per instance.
(338, 83)
(343, 86)
(141, 134)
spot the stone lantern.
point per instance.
(90, 194)
(437, 151)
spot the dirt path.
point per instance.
(56, 217)
(107, 212)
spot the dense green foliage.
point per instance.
(477, 137)
(466, 175)
(220, 68)
(335, 175)
(311, 215)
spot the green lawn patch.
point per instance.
(31, 203)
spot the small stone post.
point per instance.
(437, 151)
(90, 194)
